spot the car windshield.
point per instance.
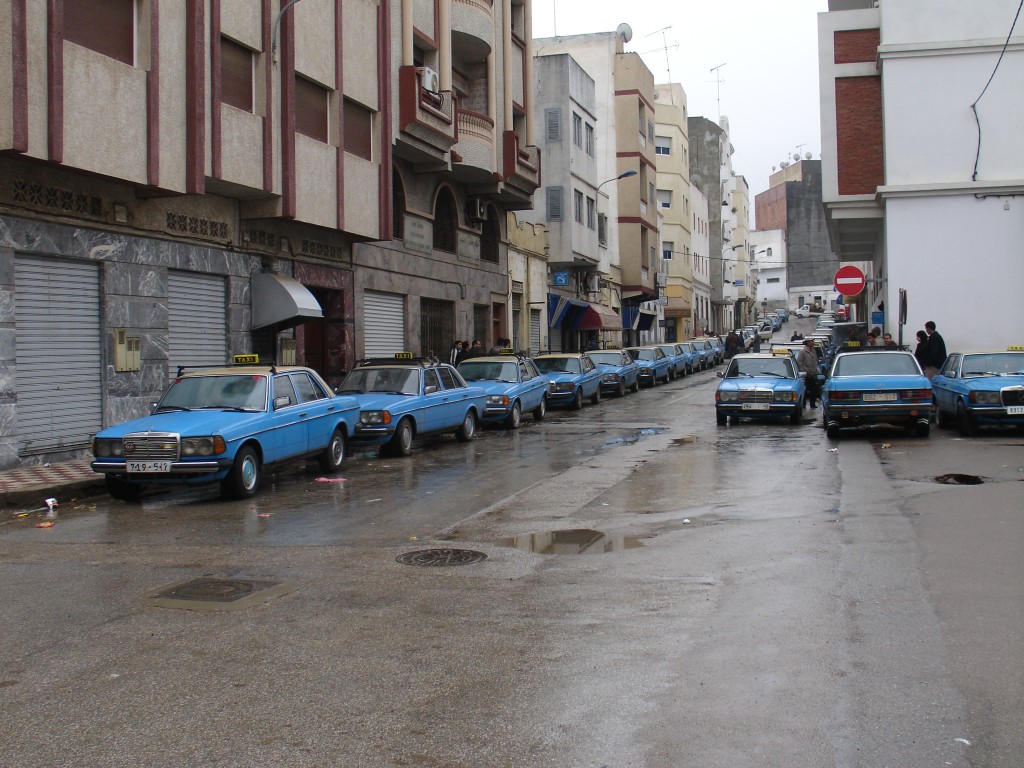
(390, 380)
(876, 364)
(558, 364)
(995, 364)
(488, 370)
(246, 392)
(642, 354)
(607, 358)
(761, 366)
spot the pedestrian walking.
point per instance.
(934, 350)
(455, 353)
(919, 350)
(807, 362)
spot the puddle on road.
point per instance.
(954, 478)
(635, 437)
(575, 541)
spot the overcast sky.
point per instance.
(769, 81)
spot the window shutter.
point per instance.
(311, 109)
(358, 130)
(554, 203)
(553, 124)
(235, 75)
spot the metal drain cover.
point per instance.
(215, 594)
(439, 558)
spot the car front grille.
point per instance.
(755, 395)
(1013, 396)
(151, 445)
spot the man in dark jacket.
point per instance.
(934, 350)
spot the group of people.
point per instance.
(931, 349)
(463, 350)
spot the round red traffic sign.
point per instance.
(849, 280)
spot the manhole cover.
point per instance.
(439, 558)
(958, 479)
(216, 594)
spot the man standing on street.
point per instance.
(807, 362)
(934, 350)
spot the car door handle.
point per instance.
(330, 408)
(303, 415)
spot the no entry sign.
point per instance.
(849, 280)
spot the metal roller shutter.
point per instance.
(57, 350)
(196, 320)
(534, 331)
(383, 324)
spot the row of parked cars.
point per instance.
(227, 425)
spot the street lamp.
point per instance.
(623, 175)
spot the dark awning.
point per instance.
(560, 307)
(597, 317)
(282, 301)
(646, 320)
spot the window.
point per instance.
(577, 130)
(667, 247)
(553, 124)
(664, 198)
(773, 279)
(590, 139)
(446, 221)
(663, 145)
(358, 130)
(311, 102)
(236, 63)
(591, 213)
(577, 207)
(104, 26)
(602, 229)
(554, 203)
(650, 192)
(650, 131)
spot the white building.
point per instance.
(768, 265)
(923, 160)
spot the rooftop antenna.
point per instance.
(718, 87)
(665, 46)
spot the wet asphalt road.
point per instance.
(764, 600)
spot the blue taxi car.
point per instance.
(572, 378)
(407, 397)
(876, 387)
(693, 357)
(226, 425)
(707, 353)
(980, 389)
(654, 364)
(677, 359)
(619, 371)
(513, 385)
(757, 385)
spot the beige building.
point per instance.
(187, 180)
(672, 146)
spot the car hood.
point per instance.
(563, 378)
(191, 423)
(759, 382)
(988, 383)
(878, 382)
(494, 387)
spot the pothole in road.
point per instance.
(635, 437)
(573, 541)
(955, 478)
(216, 594)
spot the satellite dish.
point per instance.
(624, 31)
(807, 156)
(796, 157)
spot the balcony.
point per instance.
(472, 23)
(520, 170)
(473, 156)
(426, 121)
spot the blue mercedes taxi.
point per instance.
(572, 378)
(677, 358)
(876, 387)
(981, 389)
(226, 425)
(759, 385)
(619, 371)
(689, 348)
(706, 352)
(405, 397)
(654, 364)
(513, 385)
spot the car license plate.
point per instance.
(149, 466)
(755, 406)
(881, 397)
(1015, 410)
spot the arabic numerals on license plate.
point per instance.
(149, 466)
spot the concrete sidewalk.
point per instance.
(30, 486)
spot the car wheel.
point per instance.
(636, 385)
(922, 429)
(965, 422)
(540, 411)
(831, 427)
(796, 416)
(333, 455)
(596, 398)
(942, 419)
(244, 476)
(401, 441)
(467, 431)
(671, 375)
(121, 489)
(721, 419)
(621, 391)
(514, 418)
(577, 400)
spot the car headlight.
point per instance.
(563, 386)
(611, 378)
(375, 417)
(499, 400)
(785, 397)
(202, 446)
(985, 398)
(727, 396)
(103, 447)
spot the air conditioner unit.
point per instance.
(476, 209)
(593, 283)
(659, 279)
(429, 80)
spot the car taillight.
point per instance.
(916, 394)
(841, 395)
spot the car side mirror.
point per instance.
(429, 389)
(720, 374)
(281, 402)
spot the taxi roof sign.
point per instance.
(1015, 348)
(403, 355)
(245, 360)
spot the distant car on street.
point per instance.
(654, 364)
(980, 389)
(760, 385)
(619, 371)
(513, 385)
(572, 378)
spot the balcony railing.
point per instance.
(427, 115)
(520, 165)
